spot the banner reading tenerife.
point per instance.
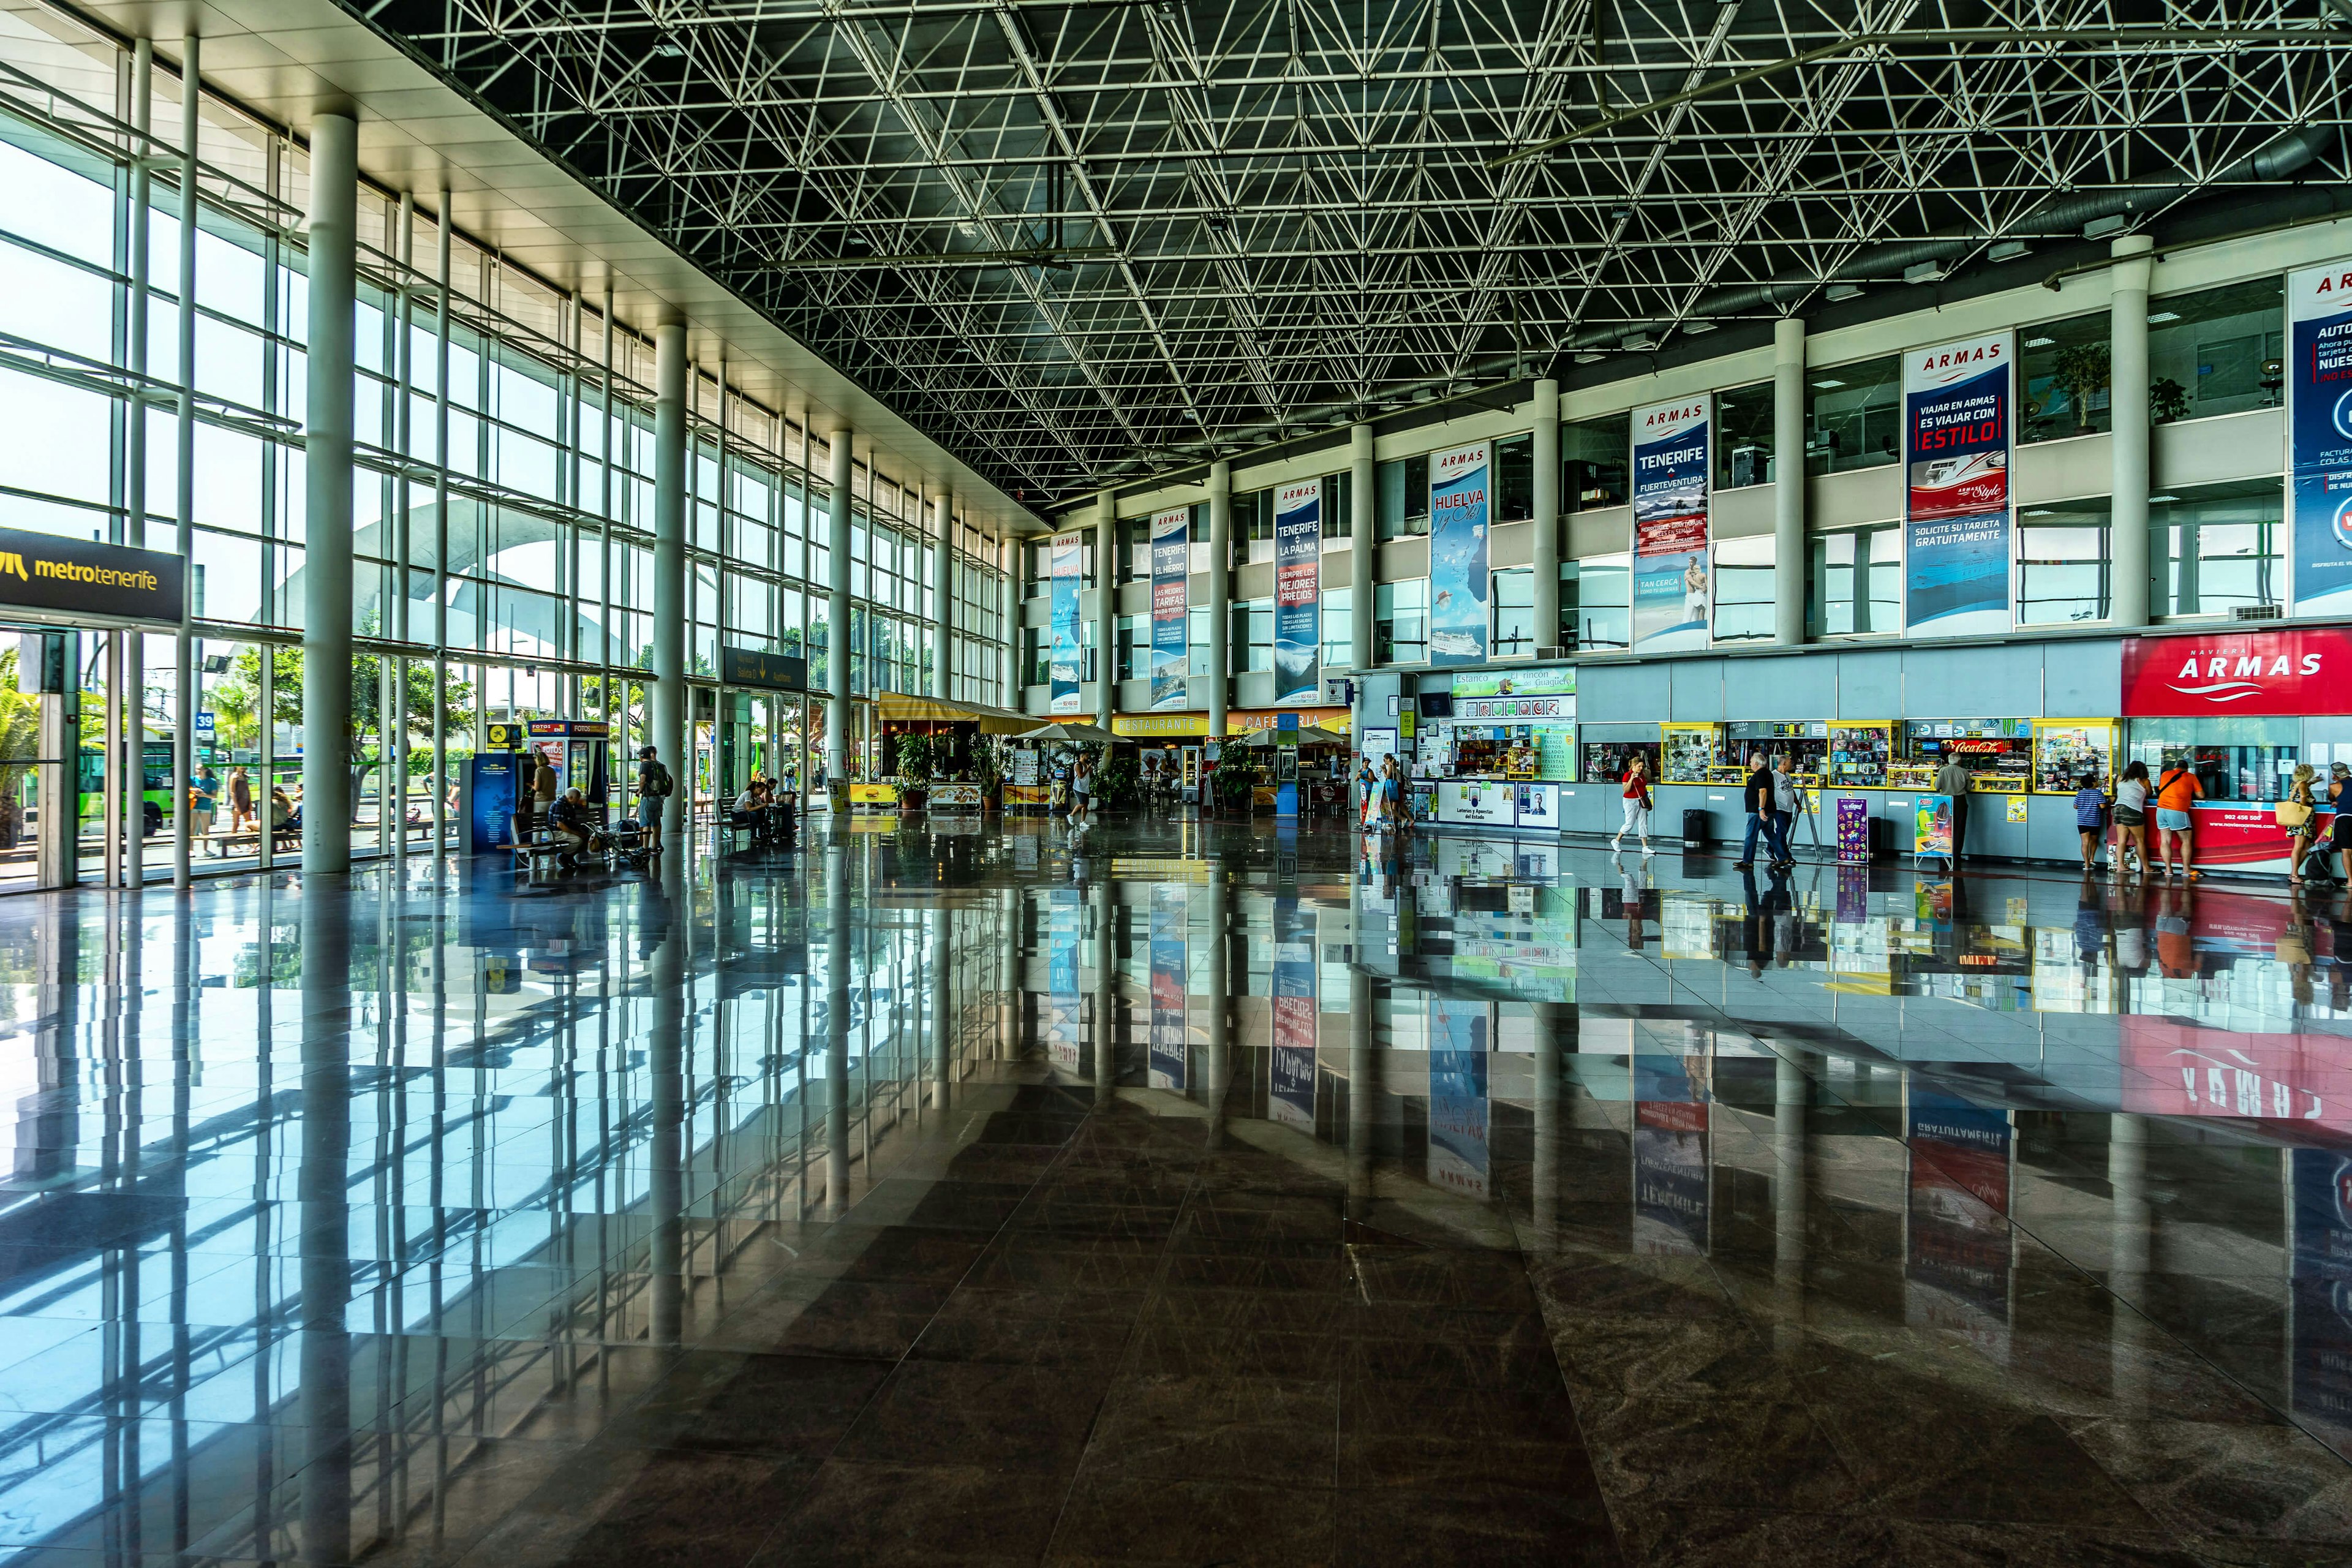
(2319, 433)
(1672, 587)
(1956, 400)
(1170, 554)
(1065, 622)
(1457, 555)
(1298, 590)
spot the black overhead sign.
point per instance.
(81, 576)
(750, 667)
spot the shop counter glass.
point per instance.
(1860, 753)
(2064, 750)
(1692, 751)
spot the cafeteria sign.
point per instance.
(47, 572)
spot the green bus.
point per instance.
(155, 786)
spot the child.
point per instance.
(2091, 818)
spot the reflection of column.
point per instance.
(836, 609)
(1220, 593)
(669, 703)
(1791, 1092)
(322, 1194)
(1105, 992)
(184, 696)
(1790, 561)
(943, 1021)
(1106, 564)
(327, 514)
(836, 1027)
(1219, 1003)
(1555, 1036)
(2127, 403)
(665, 1141)
(2132, 1225)
(1547, 509)
(1363, 1073)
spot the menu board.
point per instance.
(1859, 754)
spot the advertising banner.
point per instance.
(1290, 1097)
(1854, 829)
(1064, 622)
(1956, 1243)
(1458, 490)
(1931, 826)
(1956, 404)
(2281, 673)
(2319, 439)
(1170, 539)
(1170, 1058)
(1459, 1158)
(1673, 582)
(1298, 592)
(1477, 802)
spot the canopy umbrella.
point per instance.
(1071, 734)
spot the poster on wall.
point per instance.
(1169, 959)
(1290, 1096)
(1459, 1159)
(1065, 622)
(1955, 403)
(1297, 591)
(1673, 582)
(1457, 554)
(1171, 545)
(2319, 438)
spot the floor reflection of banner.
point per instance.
(2319, 1300)
(1957, 1247)
(1065, 1034)
(1459, 1160)
(1169, 957)
(1670, 1194)
(1291, 1091)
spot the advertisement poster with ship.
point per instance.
(1674, 587)
(1956, 431)
(1171, 553)
(1064, 656)
(1297, 591)
(1457, 554)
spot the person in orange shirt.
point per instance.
(2175, 791)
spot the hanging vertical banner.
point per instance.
(2319, 438)
(1297, 591)
(1673, 580)
(1065, 655)
(1170, 554)
(1459, 1160)
(1457, 554)
(1169, 1056)
(1956, 402)
(1290, 1096)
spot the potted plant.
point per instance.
(2082, 370)
(2167, 400)
(914, 770)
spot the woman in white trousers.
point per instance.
(1637, 805)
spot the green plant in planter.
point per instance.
(2082, 370)
(915, 758)
(1116, 779)
(2167, 400)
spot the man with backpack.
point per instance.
(655, 787)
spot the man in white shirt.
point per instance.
(1952, 779)
(1787, 801)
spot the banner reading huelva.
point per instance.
(1673, 583)
(2319, 435)
(1298, 590)
(1955, 403)
(1171, 556)
(1457, 554)
(1065, 622)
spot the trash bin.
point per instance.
(1695, 832)
(1881, 839)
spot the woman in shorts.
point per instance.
(2131, 820)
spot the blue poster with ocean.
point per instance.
(1171, 557)
(1457, 554)
(1065, 654)
(2319, 438)
(1673, 585)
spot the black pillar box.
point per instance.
(1696, 831)
(47, 662)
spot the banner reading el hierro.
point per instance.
(1298, 590)
(1065, 622)
(1170, 555)
(1672, 587)
(1955, 403)
(2319, 435)
(1457, 554)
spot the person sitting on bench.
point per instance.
(751, 809)
(568, 823)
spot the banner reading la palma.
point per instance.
(1298, 590)
(1671, 473)
(1457, 555)
(1955, 403)
(1064, 656)
(2319, 433)
(1171, 556)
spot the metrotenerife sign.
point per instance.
(83, 577)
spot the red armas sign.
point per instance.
(2276, 673)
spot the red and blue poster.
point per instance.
(1955, 403)
(1457, 554)
(1171, 546)
(1290, 1096)
(1673, 579)
(1064, 656)
(1957, 1246)
(1671, 1190)
(2319, 438)
(1297, 591)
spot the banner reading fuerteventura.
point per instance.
(1955, 403)
(1171, 556)
(1457, 555)
(1672, 587)
(1298, 590)
(2319, 438)
(1065, 657)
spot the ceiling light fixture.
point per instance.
(2157, 317)
(1837, 291)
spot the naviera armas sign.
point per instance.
(84, 577)
(2275, 673)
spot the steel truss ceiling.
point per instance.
(1076, 243)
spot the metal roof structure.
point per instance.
(1078, 244)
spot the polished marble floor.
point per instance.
(1176, 1195)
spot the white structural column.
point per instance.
(327, 499)
(2127, 355)
(184, 659)
(943, 627)
(836, 610)
(1220, 593)
(1790, 556)
(668, 700)
(1364, 549)
(1107, 574)
(126, 677)
(1547, 504)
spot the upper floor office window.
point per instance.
(1853, 416)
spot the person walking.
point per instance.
(1393, 801)
(2132, 792)
(2176, 792)
(2339, 832)
(240, 800)
(1952, 779)
(1368, 783)
(1787, 801)
(1755, 799)
(203, 801)
(655, 787)
(2090, 820)
(1637, 805)
(2299, 815)
(1082, 793)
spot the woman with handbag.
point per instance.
(1637, 805)
(2131, 820)
(2299, 815)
